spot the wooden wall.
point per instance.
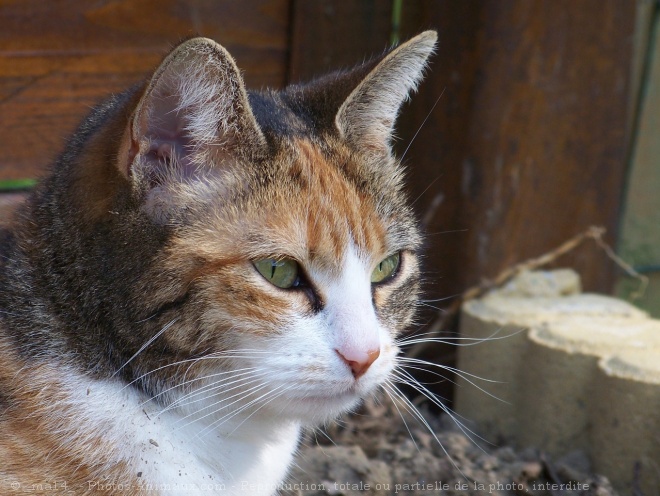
(526, 146)
(58, 58)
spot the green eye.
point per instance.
(386, 268)
(282, 273)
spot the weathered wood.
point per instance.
(331, 34)
(527, 145)
(58, 58)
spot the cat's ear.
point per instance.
(366, 118)
(193, 115)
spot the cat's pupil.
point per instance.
(386, 269)
(283, 273)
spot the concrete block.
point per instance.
(577, 372)
(501, 321)
(625, 436)
(558, 372)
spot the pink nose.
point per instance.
(359, 367)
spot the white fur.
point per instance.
(171, 455)
(356, 330)
(239, 438)
(302, 363)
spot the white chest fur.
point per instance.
(168, 454)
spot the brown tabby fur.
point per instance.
(110, 248)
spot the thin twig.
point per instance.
(593, 232)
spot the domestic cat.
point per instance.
(204, 273)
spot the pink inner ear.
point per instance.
(170, 144)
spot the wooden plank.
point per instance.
(330, 34)
(58, 58)
(247, 26)
(527, 146)
(41, 108)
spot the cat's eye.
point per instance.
(386, 269)
(282, 272)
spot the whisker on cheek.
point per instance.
(207, 271)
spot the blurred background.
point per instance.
(537, 118)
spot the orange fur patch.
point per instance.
(310, 212)
(39, 455)
(337, 214)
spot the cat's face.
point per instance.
(306, 281)
(289, 231)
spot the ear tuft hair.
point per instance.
(366, 118)
(194, 112)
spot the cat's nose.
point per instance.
(360, 364)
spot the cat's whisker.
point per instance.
(414, 202)
(216, 423)
(340, 422)
(412, 382)
(234, 373)
(233, 354)
(270, 400)
(145, 345)
(206, 390)
(403, 360)
(231, 376)
(449, 231)
(417, 334)
(463, 375)
(386, 388)
(422, 304)
(242, 383)
(453, 340)
(146, 319)
(321, 430)
(240, 396)
(421, 126)
(411, 408)
(427, 371)
(445, 298)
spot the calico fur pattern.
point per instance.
(141, 350)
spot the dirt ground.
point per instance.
(375, 453)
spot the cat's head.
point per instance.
(287, 253)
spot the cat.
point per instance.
(204, 273)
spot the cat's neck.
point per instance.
(247, 454)
(128, 439)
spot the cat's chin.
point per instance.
(317, 408)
